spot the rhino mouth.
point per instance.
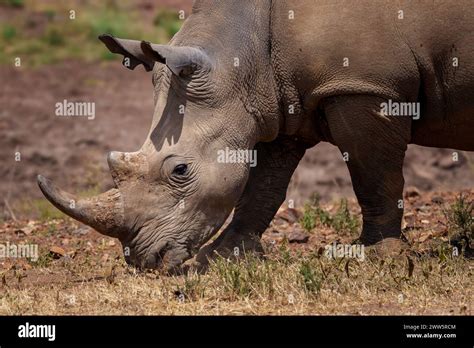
(167, 259)
(105, 213)
(157, 258)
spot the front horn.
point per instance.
(103, 212)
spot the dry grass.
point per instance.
(284, 284)
(426, 278)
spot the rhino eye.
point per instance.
(180, 169)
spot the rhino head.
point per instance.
(173, 194)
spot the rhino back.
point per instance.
(337, 47)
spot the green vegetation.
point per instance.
(8, 33)
(53, 37)
(168, 20)
(247, 277)
(308, 221)
(310, 277)
(12, 3)
(254, 277)
(460, 217)
(39, 208)
(341, 221)
(43, 261)
(49, 33)
(44, 211)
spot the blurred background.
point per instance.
(61, 58)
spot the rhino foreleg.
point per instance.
(373, 145)
(264, 193)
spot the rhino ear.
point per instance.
(130, 50)
(182, 61)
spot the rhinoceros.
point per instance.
(278, 77)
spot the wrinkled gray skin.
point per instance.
(163, 213)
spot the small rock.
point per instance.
(22, 231)
(440, 230)
(425, 208)
(104, 257)
(275, 231)
(81, 231)
(291, 215)
(447, 162)
(27, 229)
(276, 234)
(23, 264)
(437, 200)
(278, 221)
(411, 192)
(409, 221)
(42, 159)
(424, 237)
(298, 236)
(275, 237)
(57, 252)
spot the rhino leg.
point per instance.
(264, 193)
(374, 146)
